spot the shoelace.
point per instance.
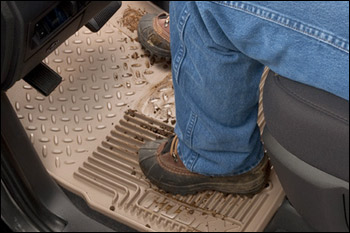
(173, 148)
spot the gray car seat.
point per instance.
(307, 138)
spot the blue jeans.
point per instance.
(219, 50)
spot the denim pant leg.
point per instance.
(219, 50)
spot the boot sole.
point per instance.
(110, 181)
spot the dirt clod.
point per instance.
(131, 18)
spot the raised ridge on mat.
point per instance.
(112, 99)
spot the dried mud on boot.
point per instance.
(87, 146)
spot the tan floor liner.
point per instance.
(87, 139)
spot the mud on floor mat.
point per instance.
(87, 137)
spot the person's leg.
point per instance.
(216, 97)
(219, 50)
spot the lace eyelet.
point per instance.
(166, 24)
(175, 157)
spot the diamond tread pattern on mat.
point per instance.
(89, 144)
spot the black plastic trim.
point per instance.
(317, 196)
(346, 210)
(12, 215)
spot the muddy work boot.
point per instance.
(161, 164)
(154, 34)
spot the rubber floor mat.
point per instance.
(87, 134)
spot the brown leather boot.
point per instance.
(161, 164)
(154, 34)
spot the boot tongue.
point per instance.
(167, 146)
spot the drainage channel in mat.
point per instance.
(113, 168)
(87, 137)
